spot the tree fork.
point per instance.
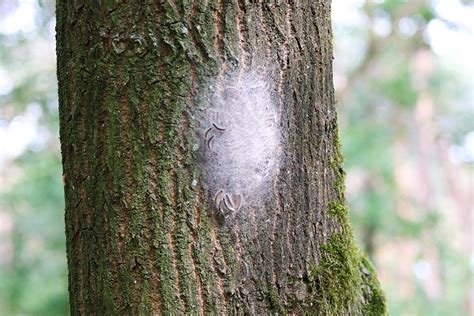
(143, 235)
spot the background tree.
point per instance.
(142, 232)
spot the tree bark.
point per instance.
(144, 234)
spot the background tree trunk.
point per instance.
(143, 235)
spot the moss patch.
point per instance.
(336, 280)
(344, 281)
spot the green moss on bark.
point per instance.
(344, 281)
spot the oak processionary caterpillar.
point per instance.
(241, 139)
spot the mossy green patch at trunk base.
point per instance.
(344, 281)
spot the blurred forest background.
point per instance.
(404, 80)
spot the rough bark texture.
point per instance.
(142, 235)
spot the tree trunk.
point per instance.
(201, 162)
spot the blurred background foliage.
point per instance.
(403, 74)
